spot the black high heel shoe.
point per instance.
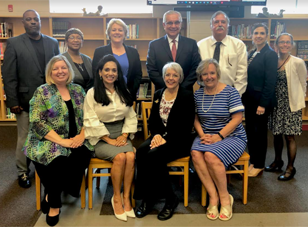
(287, 175)
(52, 221)
(275, 166)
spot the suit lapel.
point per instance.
(166, 47)
(47, 49)
(31, 50)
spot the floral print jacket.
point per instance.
(48, 111)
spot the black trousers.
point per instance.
(153, 179)
(64, 174)
(256, 129)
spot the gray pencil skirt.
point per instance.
(106, 151)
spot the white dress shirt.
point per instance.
(233, 60)
(95, 115)
(171, 43)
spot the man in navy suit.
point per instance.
(23, 70)
(173, 47)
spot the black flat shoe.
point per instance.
(23, 181)
(144, 209)
(45, 206)
(52, 221)
(168, 210)
(287, 175)
(275, 166)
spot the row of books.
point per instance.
(132, 31)
(241, 31)
(59, 28)
(2, 49)
(277, 28)
(62, 47)
(10, 115)
(302, 49)
(6, 29)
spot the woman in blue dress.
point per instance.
(221, 136)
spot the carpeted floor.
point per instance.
(265, 193)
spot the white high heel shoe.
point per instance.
(130, 213)
(122, 217)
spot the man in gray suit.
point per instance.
(23, 70)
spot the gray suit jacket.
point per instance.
(21, 70)
(78, 79)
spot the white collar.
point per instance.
(170, 40)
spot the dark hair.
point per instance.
(257, 25)
(100, 94)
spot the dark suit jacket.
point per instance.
(134, 74)
(187, 56)
(262, 77)
(78, 79)
(180, 122)
(21, 70)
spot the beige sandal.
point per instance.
(212, 211)
(226, 211)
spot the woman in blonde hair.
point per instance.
(127, 56)
(56, 143)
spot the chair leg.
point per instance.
(245, 183)
(90, 187)
(38, 191)
(186, 183)
(83, 192)
(98, 179)
(203, 196)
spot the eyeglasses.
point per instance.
(73, 37)
(170, 23)
(284, 42)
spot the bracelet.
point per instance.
(220, 136)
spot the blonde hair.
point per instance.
(204, 65)
(118, 22)
(50, 65)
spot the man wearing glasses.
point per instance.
(173, 47)
(23, 71)
(229, 51)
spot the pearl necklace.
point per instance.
(205, 111)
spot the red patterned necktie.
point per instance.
(173, 51)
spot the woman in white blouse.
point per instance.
(108, 120)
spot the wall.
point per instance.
(20, 6)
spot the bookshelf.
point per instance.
(149, 28)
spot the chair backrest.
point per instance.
(146, 111)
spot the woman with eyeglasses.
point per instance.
(259, 98)
(81, 63)
(286, 118)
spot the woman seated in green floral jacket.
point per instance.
(56, 142)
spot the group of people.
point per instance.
(70, 108)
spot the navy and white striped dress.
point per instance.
(226, 103)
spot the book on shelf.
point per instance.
(277, 28)
(59, 28)
(132, 31)
(302, 49)
(6, 29)
(2, 49)
(144, 88)
(9, 114)
(62, 47)
(241, 31)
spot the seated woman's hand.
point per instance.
(209, 139)
(121, 141)
(157, 141)
(66, 143)
(77, 141)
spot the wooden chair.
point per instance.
(96, 163)
(242, 161)
(38, 191)
(183, 163)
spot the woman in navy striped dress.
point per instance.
(221, 136)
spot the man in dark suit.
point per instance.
(173, 47)
(23, 70)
